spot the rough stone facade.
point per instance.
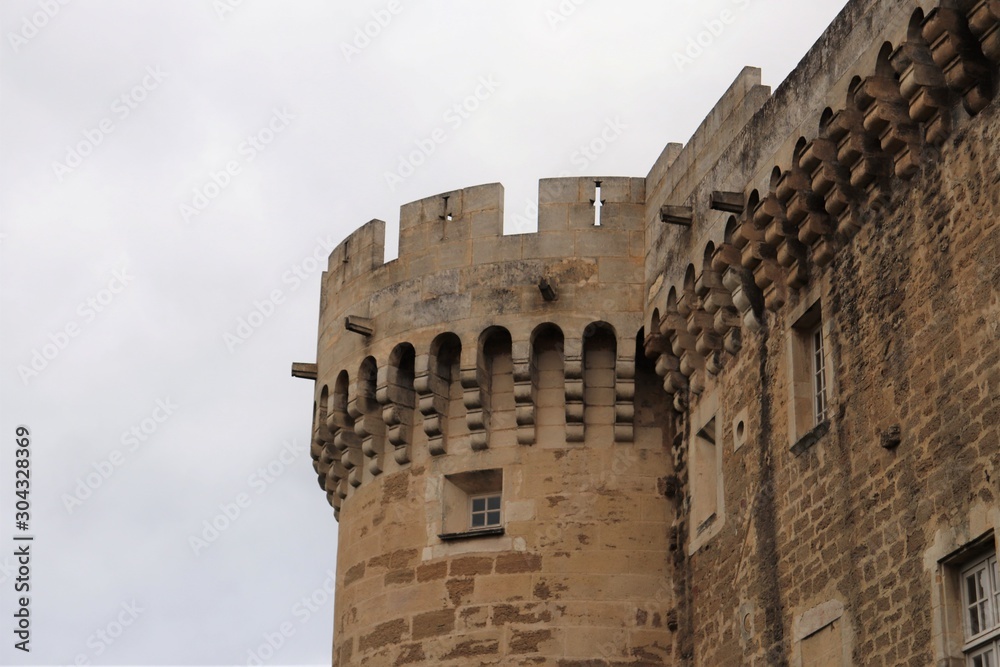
(752, 418)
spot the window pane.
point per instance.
(493, 518)
(478, 520)
(478, 504)
(986, 658)
(996, 593)
(975, 583)
(819, 376)
(493, 503)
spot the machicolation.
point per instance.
(752, 417)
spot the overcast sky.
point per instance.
(170, 168)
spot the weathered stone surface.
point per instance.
(671, 491)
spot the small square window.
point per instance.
(472, 504)
(485, 511)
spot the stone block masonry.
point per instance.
(769, 436)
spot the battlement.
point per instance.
(463, 229)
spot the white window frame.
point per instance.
(988, 638)
(817, 352)
(486, 511)
(811, 374)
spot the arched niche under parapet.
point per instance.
(398, 400)
(851, 89)
(323, 405)
(752, 201)
(824, 120)
(915, 29)
(775, 177)
(340, 389)
(690, 276)
(706, 256)
(671, 300)
(653, 326)
(600, 354)
(800, 147)
(883, 67)
(548, 382)
(654, 414)
(320, 435)
(369, 425)
(495, 372)
(444, 422)
(731, 224)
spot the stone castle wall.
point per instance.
(639, 393)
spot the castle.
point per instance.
(742, 411)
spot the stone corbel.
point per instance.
(984, 22)
(957, 51)
(624, 400)
(472, 397)
(887, 116)
(524, 403)
(922, 85)
(574, 396)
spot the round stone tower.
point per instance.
(493, 441)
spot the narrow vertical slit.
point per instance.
(598, 203)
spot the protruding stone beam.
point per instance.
(958, 52)
(304, 371)
(547, 289)
(624, 399)
(728, 202)
(359, 325)
(922, 85)
(677, 215)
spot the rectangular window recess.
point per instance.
(468, 534)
